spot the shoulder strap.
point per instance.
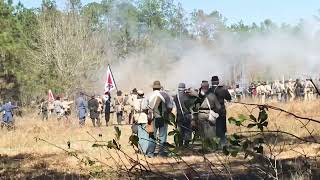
(178, 97)
(208, 103)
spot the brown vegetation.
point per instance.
(37, 149)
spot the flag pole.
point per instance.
(113, 77)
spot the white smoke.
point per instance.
(268, 56)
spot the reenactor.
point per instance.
(238, 93)
(232, 92)
(277, 89)
(8, 120)
(127, 107)
(141, 119)
(58, 108)
(132, 99)
(107, 107)
(289, 90)
(119, 106)
(308, 90)
(207, 103)
(222, 95)
(261, 92)
(183, 116)
(251, 90)
(93, 106)
(160, 105)
(82, 106)
(43, 109)
(100, 108)
(66, 107)
(298, 89)
(268, 88)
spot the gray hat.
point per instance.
(156, 85)
(182, 86)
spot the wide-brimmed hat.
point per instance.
(182, 86)
(156, 85)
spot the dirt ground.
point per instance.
(39, 149)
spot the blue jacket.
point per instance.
(8, 115)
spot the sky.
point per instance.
(279, 11)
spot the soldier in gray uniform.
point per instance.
(82, 106)
(183, 115)
(206, 102)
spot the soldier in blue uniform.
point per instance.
(8, 114)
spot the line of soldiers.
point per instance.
(280, 91)
(61, 109)
(200, 110)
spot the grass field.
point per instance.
(24, 155)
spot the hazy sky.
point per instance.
(288, 11)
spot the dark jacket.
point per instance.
(222, 94)
(93, 106)
(181, 107)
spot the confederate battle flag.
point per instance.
(110, 83)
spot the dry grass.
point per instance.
(20, 149)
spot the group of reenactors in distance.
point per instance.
(276, 91)
(202, 110)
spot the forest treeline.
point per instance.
(62, 49)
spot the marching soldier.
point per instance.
(278, 89)
(308, 90)
(206, 104)
(160, 107)
(298, 89)
(222, 94)
(132, 99)
(107, 107)
(183, 115)
(261, 92)
(58, 108)
(140, 117)
(119, 106)
(268, 88)
(93, 106)
(100, 108)
(8, 120)
(239, 93)
(43, 109)
(127, 107)
(66, 107)
(82, 106)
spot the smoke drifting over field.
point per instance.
(258, 56)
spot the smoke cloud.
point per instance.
(235, 58)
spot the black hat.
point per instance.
(215, 78)
(134, 90)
